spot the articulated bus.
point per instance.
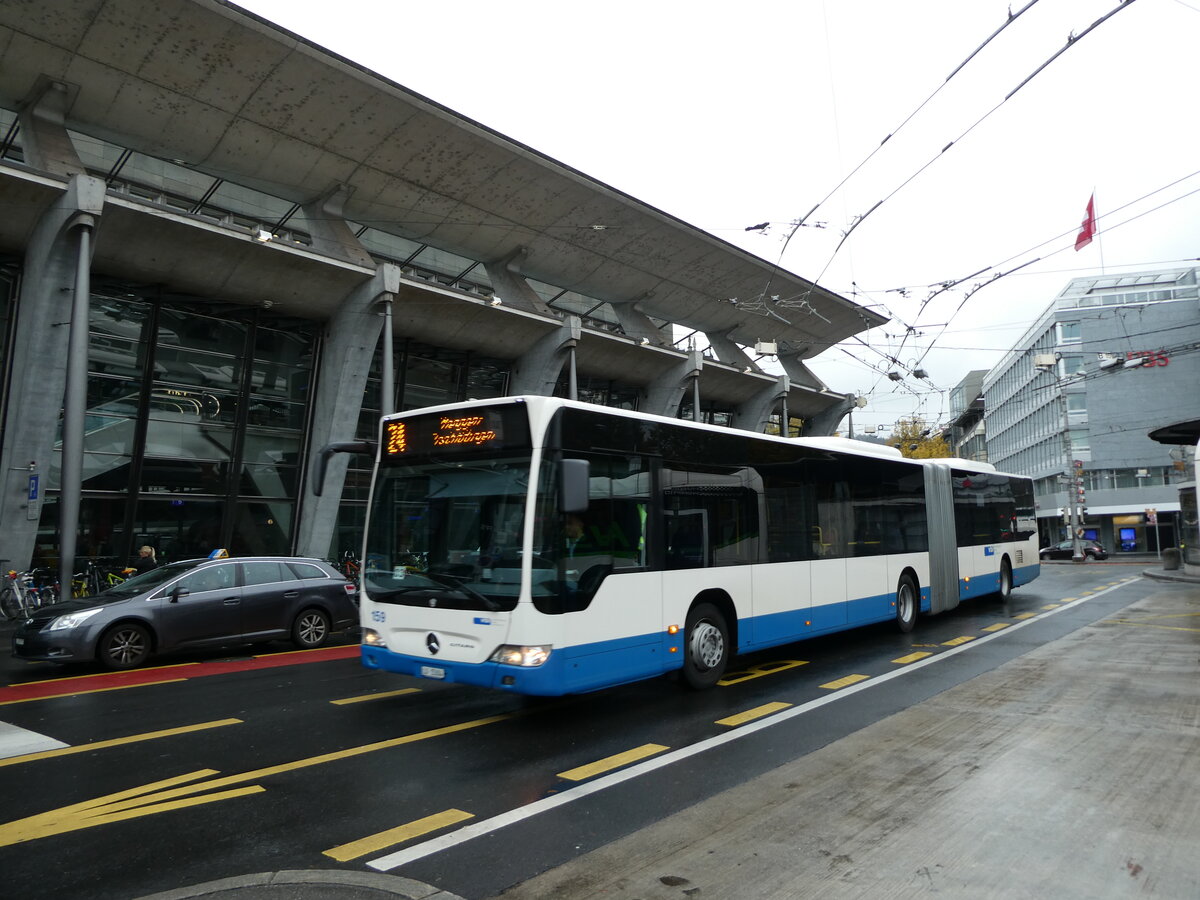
(544, 546)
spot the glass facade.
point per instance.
(194, 429)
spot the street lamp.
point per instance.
(1048, 362)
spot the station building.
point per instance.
(223, 247)
(1125, 354)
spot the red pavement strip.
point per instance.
(86, 684)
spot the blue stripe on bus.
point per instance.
(578, 669)
(589, 667)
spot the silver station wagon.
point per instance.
(193, 603)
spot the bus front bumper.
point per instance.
(543, 680)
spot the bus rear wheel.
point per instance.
(706, 650)
(907, 601)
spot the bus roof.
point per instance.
(542, 408)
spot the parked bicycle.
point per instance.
(349, 566)
(21, 593)
(95, 578)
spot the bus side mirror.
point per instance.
(318, 475)
(573, 486)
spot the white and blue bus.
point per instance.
(543, 546)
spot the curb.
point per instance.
(330, 882)
(1177, 577)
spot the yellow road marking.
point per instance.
(293, 652)
(379, 696)
(954, 642)
(845, 682)
(1025, 616)
(99, 675)
(751, 714)
(758, 671)
(119, 687)
(612, 762)
(1052, 606)
(999, 626)
(912, 657)
(116, 742)
(161, 796)
(1151, 625)
(398, 835)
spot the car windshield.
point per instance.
(147, 581)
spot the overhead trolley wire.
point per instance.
(1072, 40)
(1012, 17)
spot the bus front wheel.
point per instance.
(907, 601)
(1006, 580)
(707, 646)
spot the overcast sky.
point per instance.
(728, 115)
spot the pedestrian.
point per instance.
(146, 560)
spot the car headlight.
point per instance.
(529, 657)
(72, 620)
(373, 638)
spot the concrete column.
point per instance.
(825, 423)
(510, 285)
(329, 231)
(44, 135)
(731, 354)
(753, 414)
(349, 345)
(39, 370)
(637, 325)
(800, 374)
(536, 372)
(665, 394)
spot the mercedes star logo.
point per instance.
(432, 643)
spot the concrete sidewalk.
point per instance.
(1070, 772)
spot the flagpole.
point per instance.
(1099, 238)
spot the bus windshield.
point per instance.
(448, 534)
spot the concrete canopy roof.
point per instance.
(209, 84)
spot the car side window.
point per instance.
(307, 570)
(263, 572)
(216, 578)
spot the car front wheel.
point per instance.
(126, 646)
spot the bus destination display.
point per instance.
(487, 429)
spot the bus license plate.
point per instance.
(433, 672)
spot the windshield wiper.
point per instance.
(450, 582)
(439, 587)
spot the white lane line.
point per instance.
(537, 807)
(15, 741)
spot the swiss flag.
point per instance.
(1089, 225)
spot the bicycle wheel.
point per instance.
(10, 602)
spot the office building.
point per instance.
(1113, 358)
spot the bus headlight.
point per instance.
(373, 638)
(529, 657)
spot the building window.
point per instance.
(1068, 332)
